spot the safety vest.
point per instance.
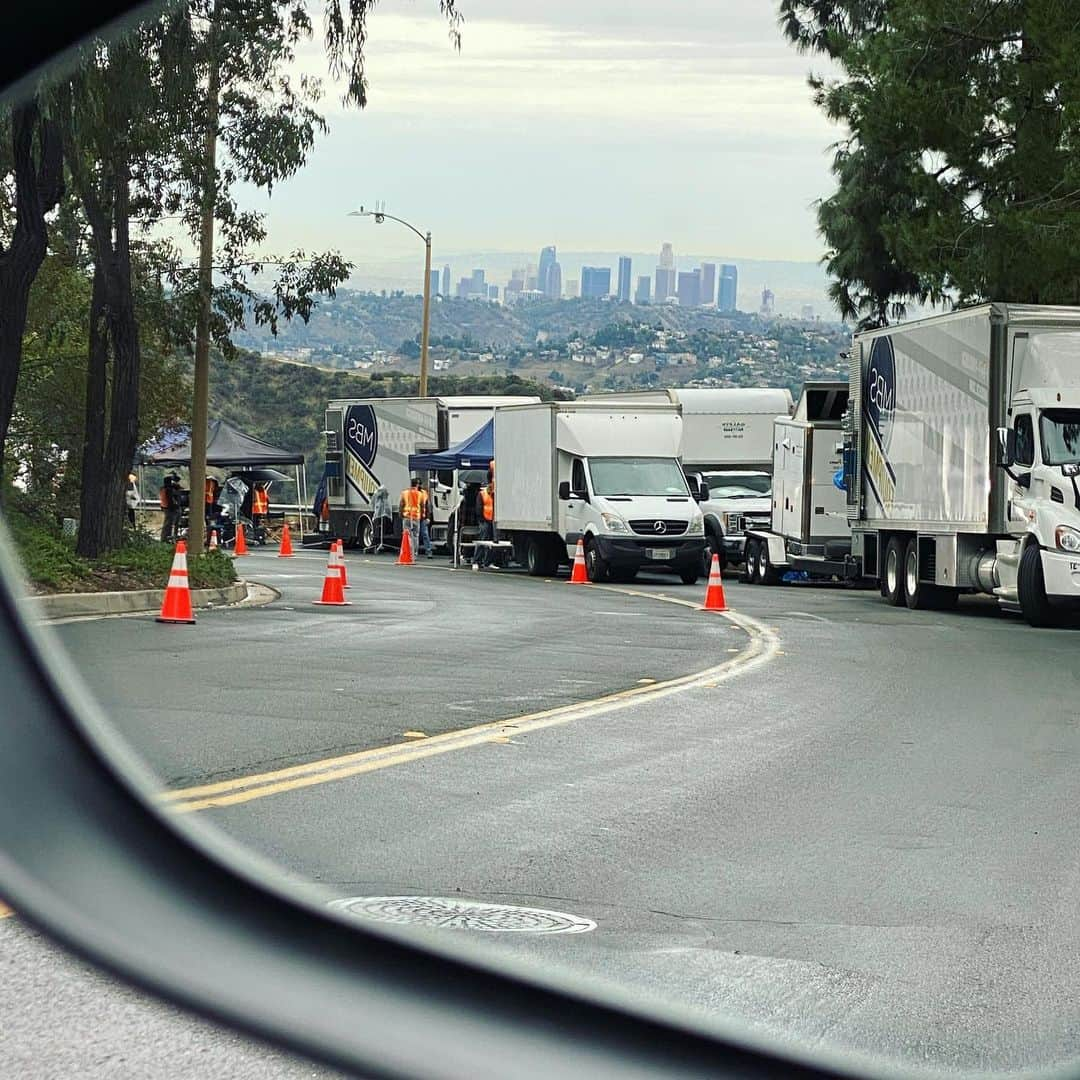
(211, 491)
(163, 498)
(260, 501)
(489, 504)
(413, 499)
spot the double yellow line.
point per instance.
(762, 646)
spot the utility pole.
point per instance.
(201, 400)
(427, 315)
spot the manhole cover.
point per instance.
(463, 914)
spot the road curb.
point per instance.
(71, 605)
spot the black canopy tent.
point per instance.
(228, 447)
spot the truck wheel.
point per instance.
(1031, 587)
(892, 574)
(689, 577)
(596, 567)
(766, 572)
(916, 593)
(538, 557)
(365, 534)
(749, 575)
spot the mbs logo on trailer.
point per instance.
(361, 446)
(879, 404)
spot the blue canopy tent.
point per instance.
(475, 452)
(472, 453)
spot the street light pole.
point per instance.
(380, 216)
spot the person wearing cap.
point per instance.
(131, 498)
(411, 506)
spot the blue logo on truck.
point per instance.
(361, 446)
(880, 389)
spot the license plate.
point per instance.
(658, 553)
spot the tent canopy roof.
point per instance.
(228, 446)
(472, 453)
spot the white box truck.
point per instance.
(726, 454)
(368, 443)
(962, 458)
(608, 475)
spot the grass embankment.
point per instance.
(51, 565)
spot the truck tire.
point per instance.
(689, 577)
(1031, 587)
(365, 534)
(539, 560)
(766, 573)
(749, 575)
(917, 594)
(596, 567)
(892, 572)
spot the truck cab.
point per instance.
(732, 501)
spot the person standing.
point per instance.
(260, 505)
(131, 498)
(427, 515)
(213, 493)
(485, 515)
(411, 506)
(169, 497)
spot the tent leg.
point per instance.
(301, 499)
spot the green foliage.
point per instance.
(959, 178)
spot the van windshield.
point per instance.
(1060, 430)
(637, 476)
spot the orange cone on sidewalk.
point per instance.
(241, 543)
(714, 593)
(213, 540)
(285, 551)
(333, 594)
(340, 545)
(405, 556)
(176, 603)
(578, 576)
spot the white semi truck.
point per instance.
(368, 443)
(726, 455)
(962, 462)
(605, 474)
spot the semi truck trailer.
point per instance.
(961, 461)
(726, 455)
(605, 474)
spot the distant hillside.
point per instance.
(283, 403)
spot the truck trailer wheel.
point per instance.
(749, 570)
(917, 594)
(766, 573)
(712, 547)
(596, 566)
(365, 534)
(1031, 587)
(539, 560)
(892, 572)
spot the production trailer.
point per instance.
(961, 458)
(726, 455)
(608, 475)
(368, 443)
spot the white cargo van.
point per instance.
(608, 475)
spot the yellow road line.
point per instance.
(762, 647)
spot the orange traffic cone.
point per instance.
(285, 551)
(340, 545)
(176, 603)
(578, 576)
(714, 594)
(213, 540)
(241, 543)
(405, 555)
(333, 594)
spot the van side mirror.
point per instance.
(564, 490)
(702, 493)
(1006, 447)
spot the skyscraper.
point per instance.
(665, 283)
(624, 278)
(708, 283)
(641, 293)
(434, 282)
(547, 260)
(479, 285)
(689, 288)
(553, 281)
(446, 280)
(595, 281)
(667, 256)
(729, 288)
(768, 301)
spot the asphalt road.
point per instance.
(865, 842)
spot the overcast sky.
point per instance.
(607, 125)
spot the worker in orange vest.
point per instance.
(485, 515)
(260, 503)
(213, 493)
(411, 505)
